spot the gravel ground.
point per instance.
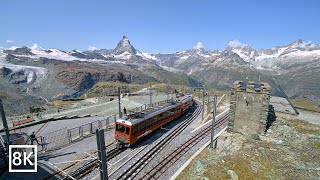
(312, 117)
(281, 105)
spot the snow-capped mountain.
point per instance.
(295, 67)
(124, 46)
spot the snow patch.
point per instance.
(184, 57)
(53, 54)
(242, 55)
(30, 77)
(181, 52)
(146, 55)
(303, 53)
(124, 55)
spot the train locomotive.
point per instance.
(134, 126)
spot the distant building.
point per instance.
(249, 108)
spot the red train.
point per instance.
(131, 128)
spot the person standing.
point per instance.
(124, 110)
(33, 138)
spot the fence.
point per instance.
(64, 136)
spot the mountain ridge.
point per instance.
(294, 67)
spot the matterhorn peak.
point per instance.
(123, 46)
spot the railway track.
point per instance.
(93, 164)
(142, 162)
(174, 156)
(70, 166)
(90, 165)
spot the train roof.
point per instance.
(132, 121)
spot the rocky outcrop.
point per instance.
(5, 71)
(19, 51)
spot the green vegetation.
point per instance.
(290, 152)
(107, 88)
(315, 145)
(304, 127)
(306, 104)
(61, 103)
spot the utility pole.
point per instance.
(150, 96)
(119, 99)
(208, 102)
(213, 143)
(102, 154)
(198, 88)
(167, 89)
(4, 122)
(259, 78)
(202, 102)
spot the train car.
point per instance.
(133, 127)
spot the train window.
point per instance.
(165, 115)
(120, 128)
(149, 122)
(135, 129)
(142, 126)
(127, 130)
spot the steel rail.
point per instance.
(93, 164)
(174, 156)
(71, 165)
(142, 162)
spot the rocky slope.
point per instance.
(51, 74)
(294, 67)
(289, 151)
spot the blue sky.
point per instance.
(159, 26)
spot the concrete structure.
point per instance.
(249, 108)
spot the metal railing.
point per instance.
(64, 136)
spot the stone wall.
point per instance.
(249, 108)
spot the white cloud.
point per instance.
(199, 45)
(10, 41)
(36, 46)
(92, 48)
(236, 43)
(13, 47)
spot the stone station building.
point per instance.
(249, 108)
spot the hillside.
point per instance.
(289, 151)
(50, 74)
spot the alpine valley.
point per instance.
(35, 75)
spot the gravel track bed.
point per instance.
(147, 142)
(154, 139)
(145, 145)
(178, 141)
(176, 166)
